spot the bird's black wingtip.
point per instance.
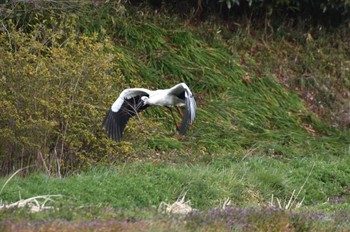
(185, 123)
(111, 126)
(186, 119)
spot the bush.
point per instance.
(54, 88)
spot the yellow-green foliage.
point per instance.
(55, 88)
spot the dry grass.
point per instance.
(180, 206)
(292, 202)
(35, 204)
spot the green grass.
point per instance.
(134, 191)
(246, 182)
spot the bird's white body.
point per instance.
(133, 100)
(157, 98)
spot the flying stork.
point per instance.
(133, 100)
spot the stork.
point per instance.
(133, 100)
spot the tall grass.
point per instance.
(237, 109)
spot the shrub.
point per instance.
(54, 88)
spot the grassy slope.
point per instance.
(233, 113)
(251, 139)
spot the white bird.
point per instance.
(132, 101)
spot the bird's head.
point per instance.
(144, 99)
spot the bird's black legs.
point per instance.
(179, 111)
(172, 115)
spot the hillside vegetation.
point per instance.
(258, 131)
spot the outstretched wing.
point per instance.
(182, 91)
(126, 106)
